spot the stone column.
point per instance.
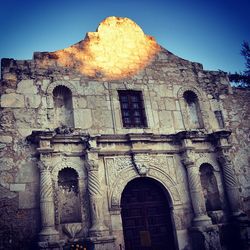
(98, 229)
(231, 184)
(48, 232)
(200, 215)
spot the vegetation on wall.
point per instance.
(242, 79)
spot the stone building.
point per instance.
(117, 143)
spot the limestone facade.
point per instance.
(66, 156)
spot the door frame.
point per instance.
(169, 201)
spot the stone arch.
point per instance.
(52, 86)
(61, 164)
(202, 106)
(208, 160)
(67, 84)
(154, 173)
(197, 92)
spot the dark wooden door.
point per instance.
(146, 216)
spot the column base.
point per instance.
(49, 234)
(205, 238)
(202, 220)
(98, 230)
(103, 243)
(49, 245)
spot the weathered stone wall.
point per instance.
(236, 107)
(96, 106)
(27, 104)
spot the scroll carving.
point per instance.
(120, 170)
(229, 177)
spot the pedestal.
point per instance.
(205, 238)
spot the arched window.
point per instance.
(68, 196)
(193, 108)
(62, 97)
(210, 188)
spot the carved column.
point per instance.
(98, 228)
(48, 232)
(200, 215)
(198, 202)
(231, 184)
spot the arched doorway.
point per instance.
(146, 218)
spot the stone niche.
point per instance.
(68, 196)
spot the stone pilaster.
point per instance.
(220, 139)
(48, 232)
(98, 229)
(230, 181)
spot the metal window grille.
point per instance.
(132, 109)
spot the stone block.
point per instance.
(166, 120)
(6, 163)
(102, 119)
(170, 104)
(24, 132)
(178, 121)
(12, 100)
(32, 101)
(17, 187)
(28, 172)
(5, 139)
(82, 102)
(215, 105)
(9, 77)
(183, 239)
(26, 87)
(83, 118)
(5, 179)
(29, 198)
(94, 88)
(44, 84)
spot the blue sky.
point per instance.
(210, 32)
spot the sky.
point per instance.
(206, 31)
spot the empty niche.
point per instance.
(193, 108)
(68, 194)
(219, 118)
(62, 97)
(210, 188)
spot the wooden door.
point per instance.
(146, 216)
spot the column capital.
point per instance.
(188, 162)
(92, 165)
(224, 159)
(45, 162)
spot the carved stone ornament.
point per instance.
(142, 169)
(64, 130)
(72, 229)
(139, 163)
(91, 165)
(188, 162)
